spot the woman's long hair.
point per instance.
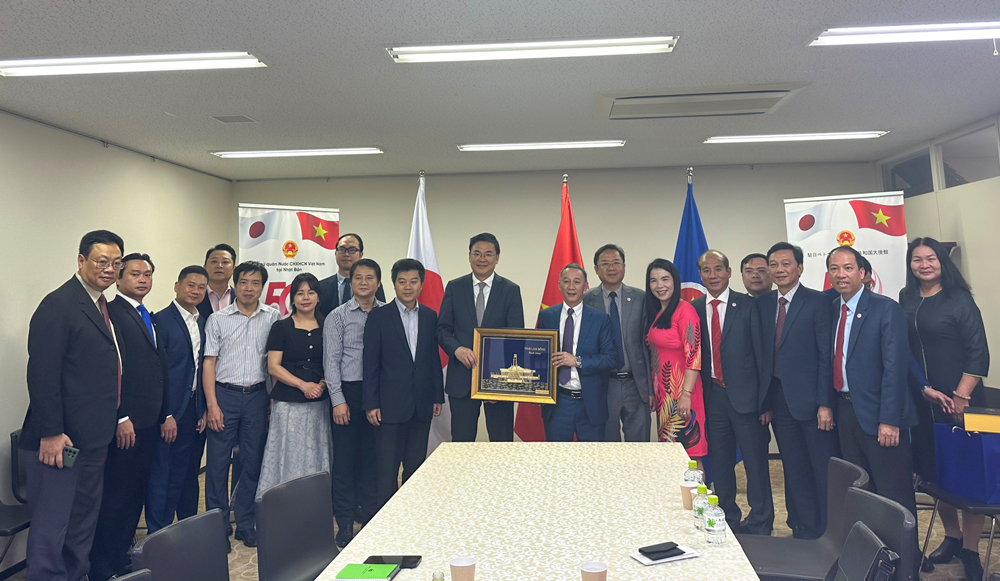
(951, 277)
(653, 304)
(306, 278)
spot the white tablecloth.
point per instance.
(537, 510)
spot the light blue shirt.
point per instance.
(852, 309)
(410, 325)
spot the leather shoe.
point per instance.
(248, 537)
(946, 551)
(229, 530)
(973, 567)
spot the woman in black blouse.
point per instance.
(298, 439)
(948, 340)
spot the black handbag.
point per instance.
(866, 557)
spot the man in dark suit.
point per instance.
(336, 290)
(403, 387)
(181, 333)
(796, 364)
(874, 409)
(756, 276)
(140, 414)
(730, 349)
(479, 299)
(74, 378)
(587, 355)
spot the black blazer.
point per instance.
(741, 351)
(329, 298)
(172, 335)
(72, 371)
(457, 320)
(805, 351)
(205, 306)
(395, 382)
(144, 368)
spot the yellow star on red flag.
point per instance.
(320, 232)
(881, 218)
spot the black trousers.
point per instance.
(805, 456)
(465, 419)
(726, 429)
(187, 506)
(63, 504)
(126, 478)
(355, 470)
(404, 443)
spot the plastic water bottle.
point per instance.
(715, 522)
(699, 504)
(692, 474)
(438, 576)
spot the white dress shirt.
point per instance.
(574, 374)
(486, 289)
(191, 321)
(709, 312)
(788, 298)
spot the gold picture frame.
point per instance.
(515, 365)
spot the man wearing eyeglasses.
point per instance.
(74, 385)
(336, 290)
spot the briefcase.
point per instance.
(866, 557)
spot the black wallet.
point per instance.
(661, 551)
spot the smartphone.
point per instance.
(69, 456)
(404, 562)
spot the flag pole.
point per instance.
(690, 175)
(421, 174)
(565, 178)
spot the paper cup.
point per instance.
(688, 490)
(463, 569)
(594, 571)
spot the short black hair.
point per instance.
(361, 243)
(605, 248)
(224, 247)
(100, 237)
(135, 256)
(406, 265)
(749, 257)
(863, 263)
(369, 263)
(193, 269)
(858, 259)
(796, 251)
(300, 279)
(250, 267)
(485, 237)
(701, 259)
(577, 267)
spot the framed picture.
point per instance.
(515, 365)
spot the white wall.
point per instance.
(55, 187)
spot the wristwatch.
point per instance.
(579, 361)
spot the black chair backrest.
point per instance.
(891, 522)
(295, 529)
(194, 549)
(18, 469)
(841, 476)
(140, 575)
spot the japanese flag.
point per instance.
(804, 223)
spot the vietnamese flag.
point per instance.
(528, 424)
(885, 218)
(322, 232)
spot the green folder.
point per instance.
(368, 572)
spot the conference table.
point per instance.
(538, 510)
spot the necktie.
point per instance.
(717, 341)
(779, 327)
(148, 320)
(480, 304)
(838, 356)
(567, 346)
(103, 303)
(616, 324)
(346, 295)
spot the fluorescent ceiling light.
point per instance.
(551, 145)
(298, 152)
(908, 33)
(796, 137)
(532, 50)
(128, 64)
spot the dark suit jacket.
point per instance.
(877, 359)
(394, 381)
(72, 371)
(205, 306)
(804, 352)
(172, 334)
(741, 351)
(457, 320)
(597, 354)
(144, 367)
(330, 295)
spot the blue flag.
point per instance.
(691, 244)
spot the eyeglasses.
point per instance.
(351, 250)
(104, 264)
(616, 263)
(487, 255)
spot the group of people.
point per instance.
(135, 397)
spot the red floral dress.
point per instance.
(674, 351)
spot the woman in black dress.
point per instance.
(948, 340)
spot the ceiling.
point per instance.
(330, 83)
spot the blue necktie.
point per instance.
(616, 324)
(567, 346)
(148, 320)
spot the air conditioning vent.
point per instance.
(674, 104)
(234, 119)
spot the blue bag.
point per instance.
(968, 464)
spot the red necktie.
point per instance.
(717, 341)
(103, 303)
(838, 355)
(779, 328)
